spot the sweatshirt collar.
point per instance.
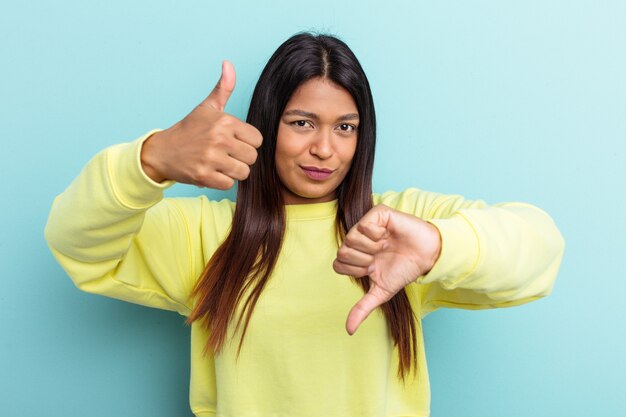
(311, 211)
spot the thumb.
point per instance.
(361, 310)
(224, 87)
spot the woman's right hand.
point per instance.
(208, 148)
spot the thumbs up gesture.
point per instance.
(208, 148)
(393, 248)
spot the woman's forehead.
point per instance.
(323, 98)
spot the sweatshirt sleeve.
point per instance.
(114, 234)
(492, 256)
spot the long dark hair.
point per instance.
(249, 253)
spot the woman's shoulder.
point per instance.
(205, 222)
(199, 208)
(390, 195)
(412, 200)
(411, 194)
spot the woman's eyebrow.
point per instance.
(303, 113)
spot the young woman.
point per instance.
(267, 283)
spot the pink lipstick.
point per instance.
(316, 173)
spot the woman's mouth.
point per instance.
(316, 173)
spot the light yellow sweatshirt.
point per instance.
(114, 234)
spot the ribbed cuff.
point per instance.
(131, 185)
(204, 413)
(460, 251)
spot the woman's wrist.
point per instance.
(435, 246)
(148, 157)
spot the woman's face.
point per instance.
(317, 137)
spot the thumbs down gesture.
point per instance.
(391, 249)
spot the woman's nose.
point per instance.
(322, 145)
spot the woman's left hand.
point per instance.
(393, 248)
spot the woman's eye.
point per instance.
(300, 123)
(347, 127)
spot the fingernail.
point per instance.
(371, 269)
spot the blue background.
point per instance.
(496, 100)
